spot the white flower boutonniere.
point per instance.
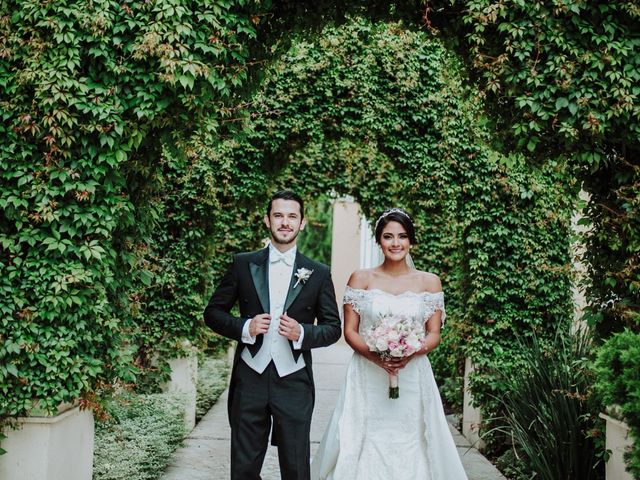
(302, 274)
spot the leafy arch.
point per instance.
(381, 112)
(100, 174)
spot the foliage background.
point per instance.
(124, 123)
(562, 77)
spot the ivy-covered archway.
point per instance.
(382, 113)
(94, 216)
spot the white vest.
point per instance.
(274, 346)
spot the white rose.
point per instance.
(393, 336)
(396, 352)
(381, 345)
(413, 342)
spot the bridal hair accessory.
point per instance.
(302, 274)
(386, 213)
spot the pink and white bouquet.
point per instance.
(395, 336)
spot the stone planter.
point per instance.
(184, 379)
(50, 448)
(471, 416)
(618, 441)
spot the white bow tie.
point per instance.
(288, 257)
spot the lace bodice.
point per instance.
(371, 304)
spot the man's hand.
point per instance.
(259, 324)
(289, 328)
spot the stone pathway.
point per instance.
(205, 455)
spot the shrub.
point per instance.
(137, 439)
(618, 380)
(213, 374)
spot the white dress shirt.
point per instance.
(274, 346)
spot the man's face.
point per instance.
(284, 221)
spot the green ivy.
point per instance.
(562, 75)
(139, 149)
(316, 238)
(561, 79)
(88, 90)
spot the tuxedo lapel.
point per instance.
(260, 275)
(294, 290)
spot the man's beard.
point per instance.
(274, 236)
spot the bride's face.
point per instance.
(394, 241)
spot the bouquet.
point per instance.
(395, 336)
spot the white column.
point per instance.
(577, 251)
(345, 244)
(471, 416)
(618, 442)
(184, 379)
(370, 253)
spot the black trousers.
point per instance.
(265, 401)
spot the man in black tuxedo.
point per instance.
(280, 293)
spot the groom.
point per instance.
(280, 293)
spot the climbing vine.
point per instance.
(139, 147)
(88, 89)
(381, 113)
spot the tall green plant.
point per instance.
(550, 412)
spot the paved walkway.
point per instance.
(205, 455)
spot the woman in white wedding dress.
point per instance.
(371, 436)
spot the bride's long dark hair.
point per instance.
(395, 215)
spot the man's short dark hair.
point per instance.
(286, 195)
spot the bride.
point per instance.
(372, 436)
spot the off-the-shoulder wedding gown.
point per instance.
(371, 436)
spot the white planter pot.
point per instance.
(618, 441)
(184, 379)
(50, 448)
(471, 416)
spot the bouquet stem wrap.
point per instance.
(394, 389)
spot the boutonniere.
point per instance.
(302, 274)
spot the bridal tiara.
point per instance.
(386, 213)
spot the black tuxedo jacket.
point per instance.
(247, 282)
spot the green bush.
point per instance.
(137, 439)
(213, 375)
(618, 380)
(316, 239)
(550, 412)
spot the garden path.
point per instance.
(205, 455)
